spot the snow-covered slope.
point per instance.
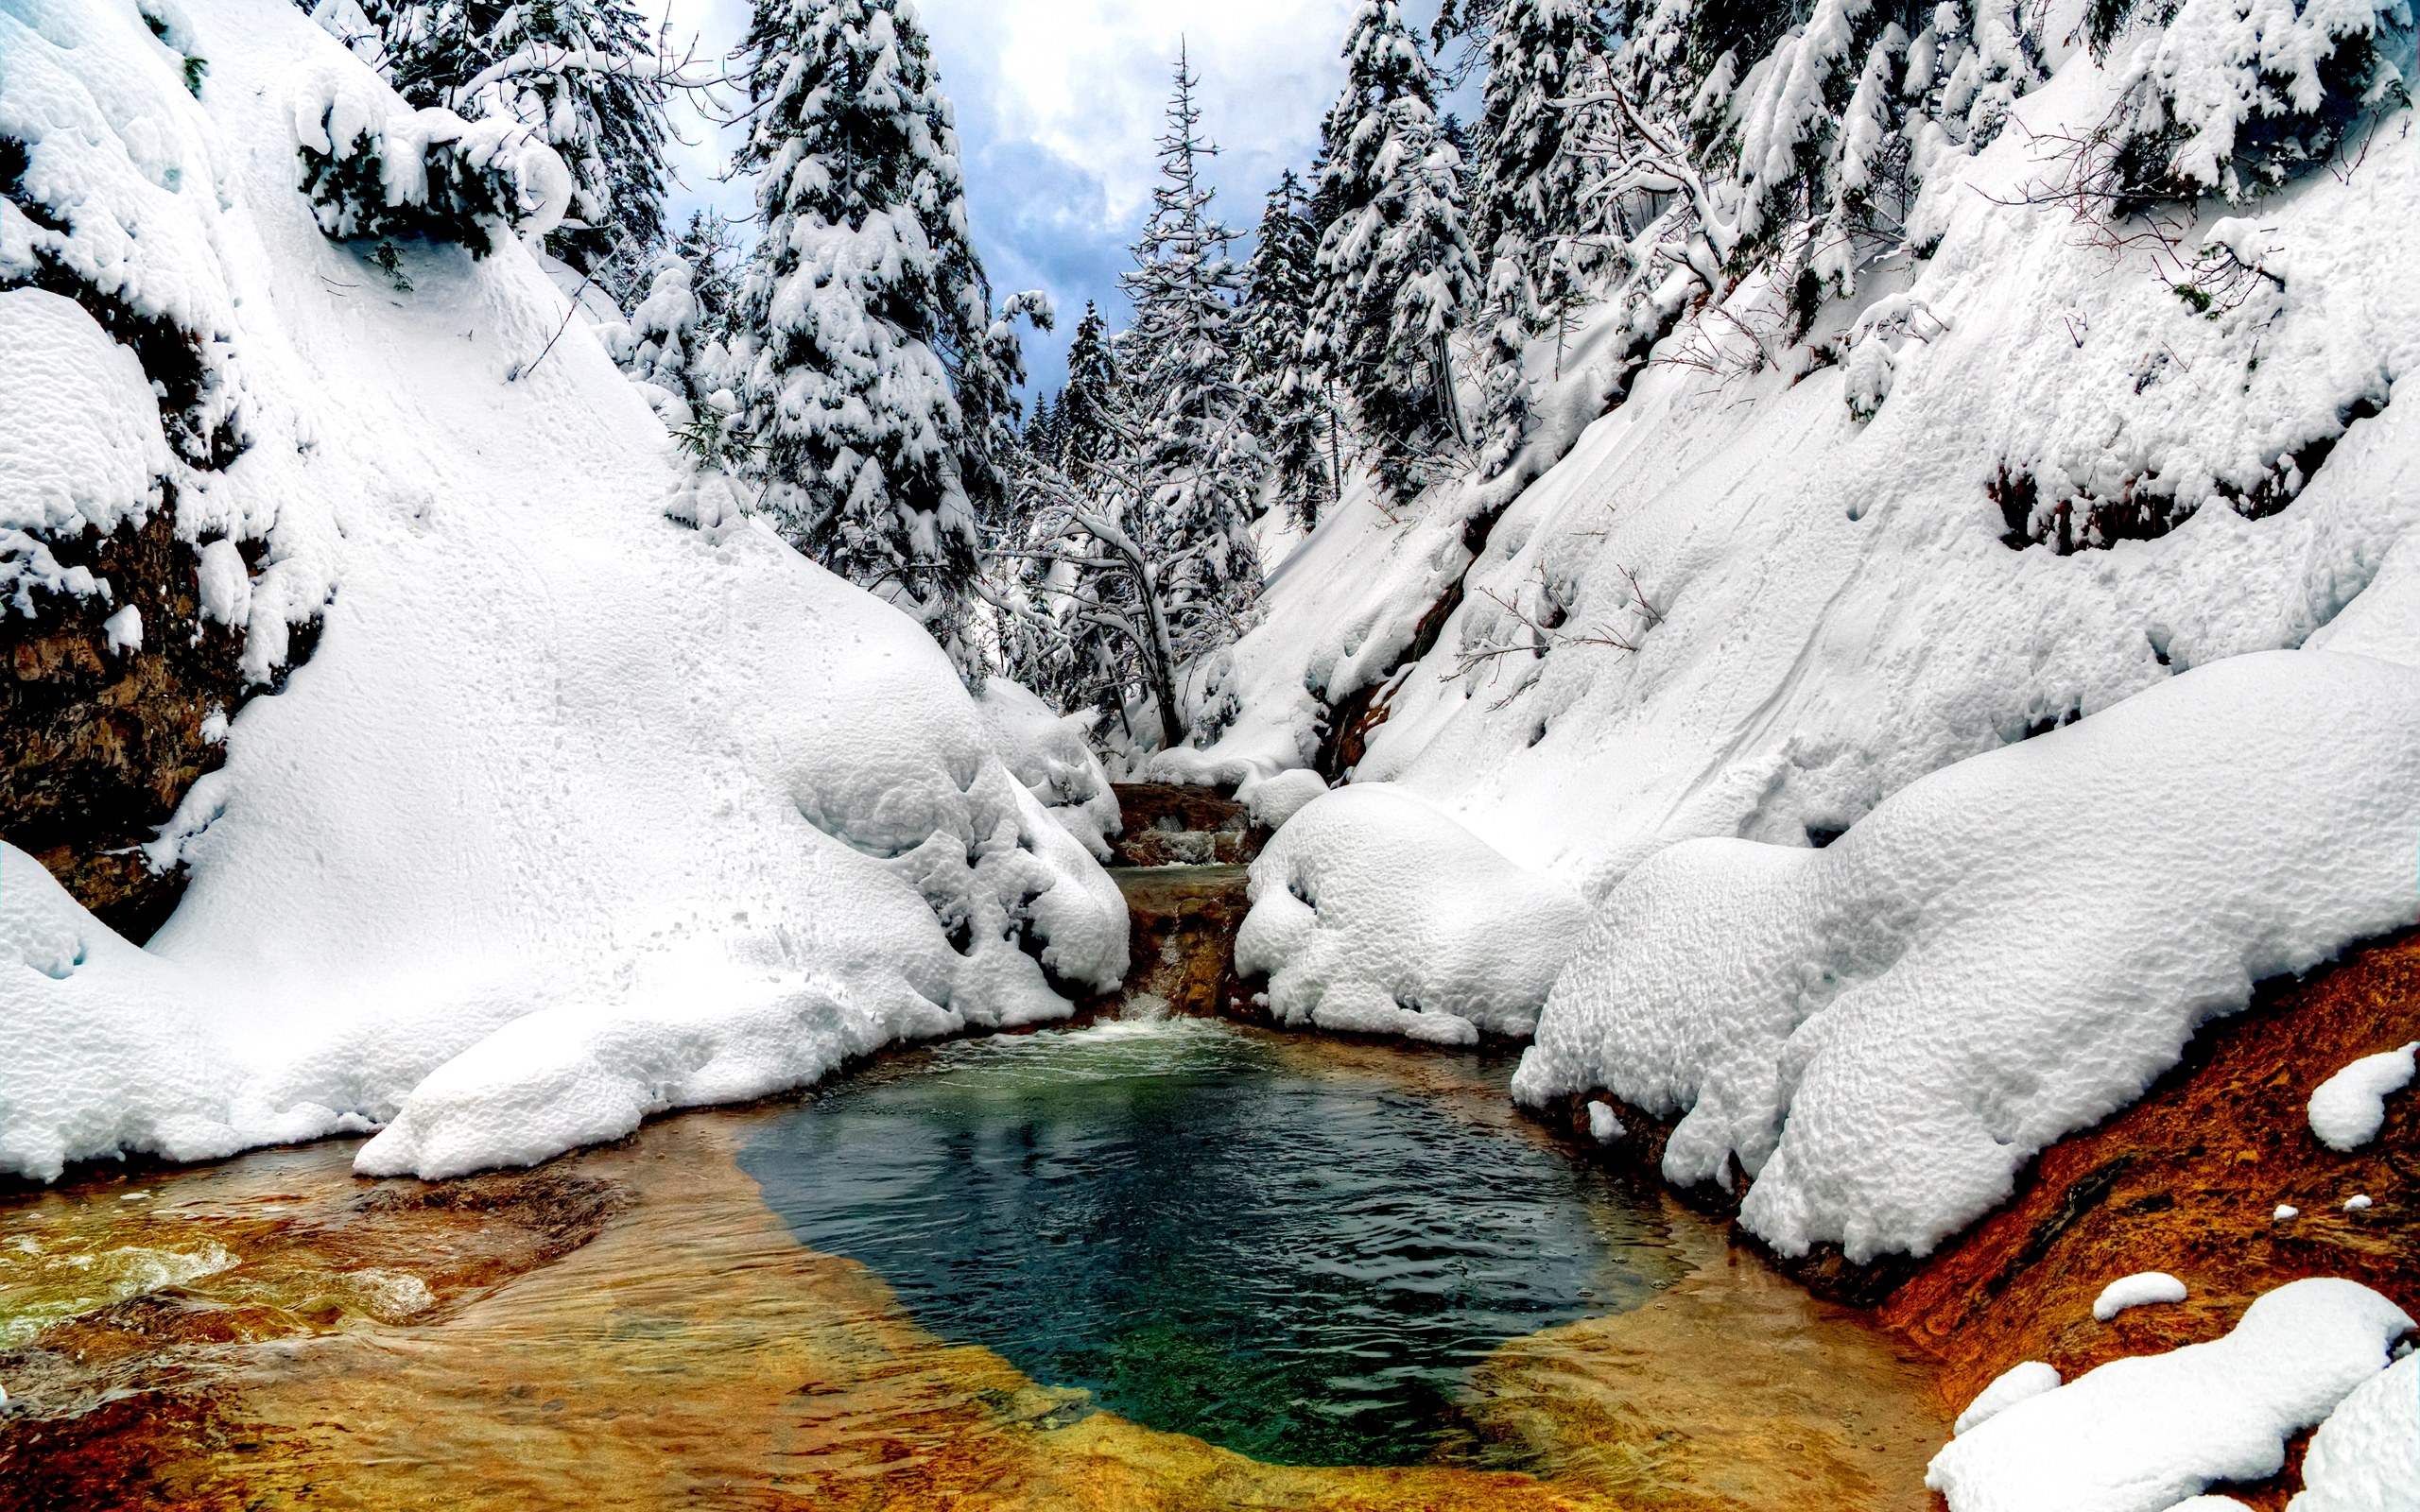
(1735, 614)
(576, 812)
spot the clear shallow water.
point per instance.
(1217, 1232)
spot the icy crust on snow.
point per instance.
(2141, 1435)
(1879, 1035)
(575, 813)
(2349, 1107)
(2366, 1456)
(1373, 913)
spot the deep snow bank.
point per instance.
(1881, 1034)
(577, 812)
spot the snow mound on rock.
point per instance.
(2141, 1435)
(1049, 754)
(2349, 1107)
(2011, 1386)
(1376, 914)
(575, 813)
(2143, 1289)
(1882, 1033)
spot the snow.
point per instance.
(1273, 800)
(1604, 1124)
(123, 630)
(1049, 754)
(1831, 640)
(1812, 1012)
(2349, 1107)
(1373, 913)
(2018, 1383)
(2140, 1434)
(575, 813)
(2366, 1456)
(2140, 1290)
(83, 446)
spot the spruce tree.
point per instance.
(1195, 456)
(1279, 286)
(876, 402)
(1090, 430)
(1533, 211)
(583, 74)
(1396, 276)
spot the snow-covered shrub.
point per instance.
(373, 171)
(2237, 96)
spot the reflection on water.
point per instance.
(1210, 1231)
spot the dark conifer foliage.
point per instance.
(1287, 412)
(1396, 273)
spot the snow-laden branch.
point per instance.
(540, 59)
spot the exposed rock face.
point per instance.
(1182, 938)
(2186, 1181)
(1171, 824)
(102, 744)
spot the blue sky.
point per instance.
(1058, 103)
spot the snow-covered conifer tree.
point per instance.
(1193, 453)
(1396, 276)
(1280, 283)
(866, 311)
(1533, 211)
(1090, 430)
(585, 74)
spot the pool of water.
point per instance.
(1215, 1231)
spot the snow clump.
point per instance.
(2349, 1109)
(2011, 1386)
(1373, 913)
(2140, 1434)
(2140, 1290)
(1273, 800)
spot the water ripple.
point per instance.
(1211, 1231)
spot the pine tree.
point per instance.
(1089, 427)
(877, 404)
(583, 74)
(1195, 456)
(1285, 414)
(711, 252)
(1396, 276)
(1533, 214)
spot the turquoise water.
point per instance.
(1216, 1231)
